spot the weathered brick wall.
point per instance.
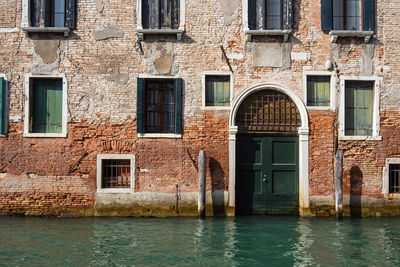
(102, 92)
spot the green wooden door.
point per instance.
(47, 106)
(267, 175)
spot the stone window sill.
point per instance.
(321, 108)
(159, 135)
(340, 33)
(3, 135)
(360, 138)
(285, 33)
(45, 135)
(216, 107)
(177, 32)
(64, 30)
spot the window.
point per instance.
(347, 15)
(45, 107)
(359, 108)
(48, 15)
(160, 17)
(394, 178)
(268, 17)
(318, 91)
(354, 18)
(2, 105)
(391, 178)
(159, 106)
(217, 90)
(115, 173)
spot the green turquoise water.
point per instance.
(243, 241)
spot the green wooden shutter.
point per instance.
(287, 14)
(141, 94)
(326, 15)
(178, 105)
(70, 14)
(47, 106)
(1, 106)
(368, 15)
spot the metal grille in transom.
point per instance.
(394, 178)
(268, 111)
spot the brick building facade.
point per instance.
(82, 91)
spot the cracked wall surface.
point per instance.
(101, 63)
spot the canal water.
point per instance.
(242, 241)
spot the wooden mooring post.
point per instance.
(202, 184)
(339, 184)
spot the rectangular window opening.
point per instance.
(318, 91)
(347, 15)
(218, 90)
(160, 14)
(359, 97)
(46, 98)
(116, 173)
(394, 178)
(160, 106)
(265, 14)
(48, 13)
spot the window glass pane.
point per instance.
(318, 90)
(274, 11)
(217, 90)
(347, 15)
(59, 11)
(47, 106)
(160, 106)
(358, 108)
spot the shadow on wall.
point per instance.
(217, 186)
(356, 181)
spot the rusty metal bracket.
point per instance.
(138, 45)
(75, 166)
(226, 58)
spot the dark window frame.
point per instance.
(46, 16)
(116, 173)
(159, 23)
(160, 117)
(394, 178)
(345, 17)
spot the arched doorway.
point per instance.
(268, 152)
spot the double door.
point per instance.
(267, 175)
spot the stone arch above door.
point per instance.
(303, 133)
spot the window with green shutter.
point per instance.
(46, 105)
(159, 106)
(218, 90)
(318, 91)
(359, 104)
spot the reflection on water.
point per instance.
(244, 241)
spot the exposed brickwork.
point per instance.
(102, 94)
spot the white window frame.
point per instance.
(162, 135)
(5, 105)
(385, 178)
(331, 74)
(26, 21)
(203, 85)
(182, 20)
(63, 133)
(99, 173)
(249, 33)
(376, 118)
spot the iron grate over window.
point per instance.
(394, 178)
(268, 112)
(116, 173)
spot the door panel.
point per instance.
(267, 180)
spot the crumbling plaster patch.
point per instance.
(367, 66)
(99, 5)
(46, 57)
(229, 7)
(107, 32)
(160, 58)
(271, 55)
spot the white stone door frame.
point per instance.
(303, 131)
